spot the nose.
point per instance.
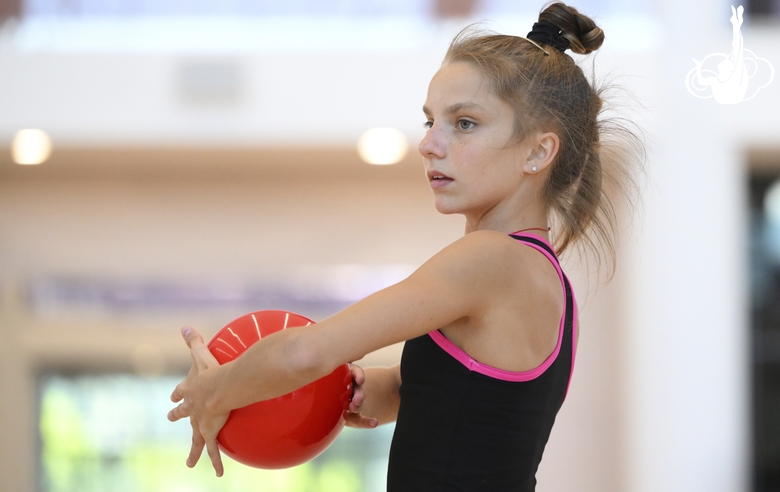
(432, 145)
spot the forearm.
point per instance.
(381, 390)
(272, 367)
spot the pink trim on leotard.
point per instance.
(516, 376)
(573, 338)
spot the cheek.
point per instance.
(477, 160)
(470, 155)
(496, 171)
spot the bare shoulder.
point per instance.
(492, 249)
(482, 245)
(488, 262)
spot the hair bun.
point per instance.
(583, 34)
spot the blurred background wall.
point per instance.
(204, 165)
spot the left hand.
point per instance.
(353, 417)
(193, 393)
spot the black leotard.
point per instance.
(467, 426)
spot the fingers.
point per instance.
(202, 357)
(195, 343)
(353, 417)
(200, 353)
(190, 335)
(178, 392)
(357, 400)
(196, 450)
(358, 421)
(216, 459)
(178, 413)
(358, 375)
(176, 396)
(202, 360)
(197, 446)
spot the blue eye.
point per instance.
(465, 124)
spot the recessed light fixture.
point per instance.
(31, 146)
(382, 146)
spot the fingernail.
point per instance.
(186, 330)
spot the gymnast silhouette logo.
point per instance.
(735, 71)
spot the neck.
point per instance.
(523, 209)
(511, 217)
(536, 224)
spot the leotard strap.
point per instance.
(569, 313)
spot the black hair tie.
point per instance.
(548, 33)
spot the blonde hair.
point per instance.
(598, 156)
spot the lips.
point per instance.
(438, 179)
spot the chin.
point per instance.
(446, 208)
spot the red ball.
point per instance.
(293, 428)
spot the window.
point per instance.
(765, 310)
(109, 433)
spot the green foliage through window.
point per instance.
(109, 433)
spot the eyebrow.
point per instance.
(457, 107)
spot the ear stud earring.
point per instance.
(534, 168)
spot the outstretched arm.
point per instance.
(458, 282)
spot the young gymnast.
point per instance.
(513, 143)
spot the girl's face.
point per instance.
(473, 163)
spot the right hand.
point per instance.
(354, 418)
(192, 393)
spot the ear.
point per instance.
(543, 147)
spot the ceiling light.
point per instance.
(382, 146)
(31, 147)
